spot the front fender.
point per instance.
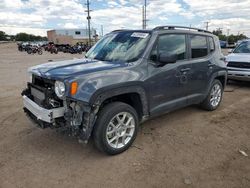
(105, 93)
(117, 81)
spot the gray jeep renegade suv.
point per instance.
(128, 77)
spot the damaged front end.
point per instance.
(80, 118)
(46, 109)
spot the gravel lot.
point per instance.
(186, 148)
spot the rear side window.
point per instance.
(211, 44)
(173, 44)
(198, 46)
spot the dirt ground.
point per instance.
(186, 148)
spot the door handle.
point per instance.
(185, 70)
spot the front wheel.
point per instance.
(116, 128)
(29, 51)
(214, 97)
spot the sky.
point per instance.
(38, 16)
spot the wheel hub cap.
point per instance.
(215, 95)
(120, 130)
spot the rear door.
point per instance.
(201, 50)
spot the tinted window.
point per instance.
(172, 44)
(78, 32)
(244, 47)
(211, 44)
(125, 46)
(198, 46)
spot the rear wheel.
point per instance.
(40, 52)
(116, 128)
(29, 51)
(214, 97)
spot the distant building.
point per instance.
(71, 36)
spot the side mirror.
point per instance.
(230, 51)
(167, 58)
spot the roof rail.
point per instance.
(119, 30)
(171, 27)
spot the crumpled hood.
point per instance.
(65, 69)
(238, 57)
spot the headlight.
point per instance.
(59, 89)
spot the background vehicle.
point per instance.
(53, 49)
(238, 62)
(223, 44)
(128, 77)
(240, 41)
(35, 49)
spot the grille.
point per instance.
(235, 64)
(42, 82)
(42, 92)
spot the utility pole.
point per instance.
(206, 25)
(228, 35)
(220, 29)
(88, 18)
(144, 15)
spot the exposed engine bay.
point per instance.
(43, 106)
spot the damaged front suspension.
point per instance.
(80, 119)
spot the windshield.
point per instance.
(124, 46)
(244, 47)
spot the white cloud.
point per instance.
(226, 14)
(235, 25)
(11, 18)
(70, 26)
(15, 30)
(113, 3)
(116, 14)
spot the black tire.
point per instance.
(104, 117)
(29, 51)
(207, 104)
(40, 52)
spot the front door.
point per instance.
(167, 83)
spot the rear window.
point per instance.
(198, 46)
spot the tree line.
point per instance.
(21, 37)
(231, 39)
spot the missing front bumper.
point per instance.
(46, 115)
(75, 118)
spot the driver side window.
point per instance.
(170, 44)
